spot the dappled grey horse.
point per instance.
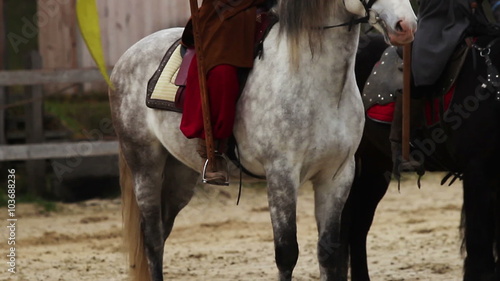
(299, 118)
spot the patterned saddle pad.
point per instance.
(165, 86)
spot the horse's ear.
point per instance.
(88, 21)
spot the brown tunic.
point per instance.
(227, 29)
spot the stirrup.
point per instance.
(222, 169)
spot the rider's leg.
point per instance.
(223, 90)
(223, 86)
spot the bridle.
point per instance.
(493, 79)
(367, 4)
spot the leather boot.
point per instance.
(399, 164)
(219, 175)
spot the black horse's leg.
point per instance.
(373, 174)
(497, 231)
(479, 223)
(370, 185)
(282, 197)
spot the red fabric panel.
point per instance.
(383, 113)
(433, 117)
(223, 90)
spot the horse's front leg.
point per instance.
(368, 188)
(282, 196)
(330, 195)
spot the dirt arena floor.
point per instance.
(414, 237)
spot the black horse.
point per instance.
(466, 143)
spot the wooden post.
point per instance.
(57, 37)
(34, 129)
(2, 36)
(3, 99)
(406, 102)
(3, 102)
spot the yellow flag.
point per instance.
(88, 20)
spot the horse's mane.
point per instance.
(301, 19)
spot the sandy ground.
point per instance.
(414, 237)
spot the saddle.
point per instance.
(165, 90)
(386, 82)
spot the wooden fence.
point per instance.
(123, 22)
(35, 151)
(66, 60)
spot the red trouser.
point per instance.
(223, 89)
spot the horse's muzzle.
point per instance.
(402, 33)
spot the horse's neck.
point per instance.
(338, 43)
(335, 57)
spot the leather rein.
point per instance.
(367, 5)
